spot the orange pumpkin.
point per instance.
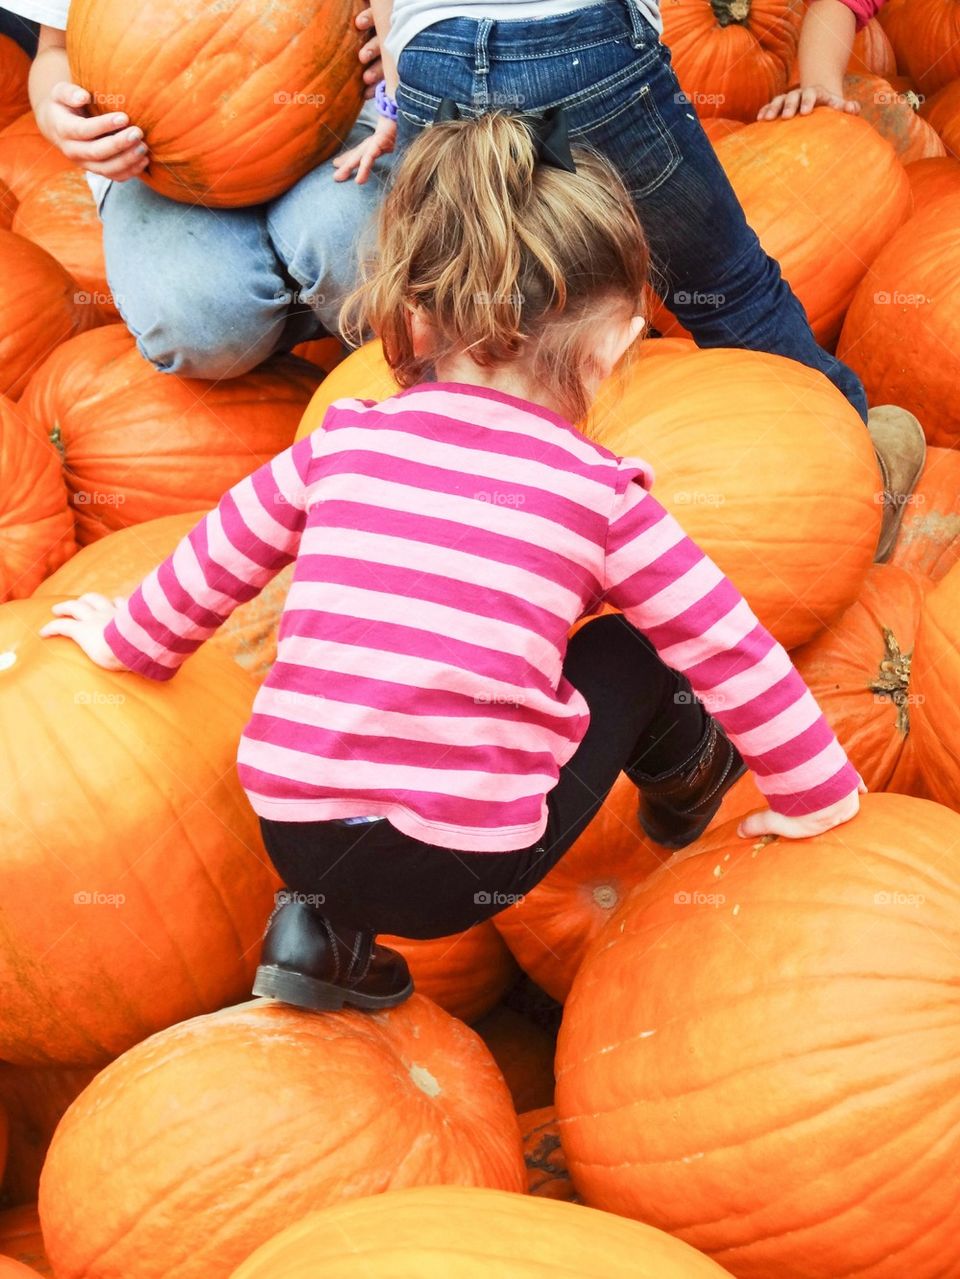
(286, 1111)
(781, 171)
(547, 1174)
(891, 17)
(8, 207)
(942, 112)
(135, 888)
(902, 332)
(928, 41)
(14, 70)
(35, 1099)
(764, 463)
(60, 215)
(732, 1067)
(466, 974)
(437, 1231)
(27, 159)
(20, 1238)
(37, 310)
(859, 672)
(118, 563)
(138, 443)
(929, 539)
(236, 101)
(36, 523)
(10, 1268)
(931, 179)
(717, 127)
(326, 353)
(936, 677)
(731, 56)
(524, 1052)
(872, 52)
(894, 116)
(363, 375)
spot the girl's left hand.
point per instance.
(802, 102)
(84, 620)
(363, 156)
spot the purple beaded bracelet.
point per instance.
(385, 104)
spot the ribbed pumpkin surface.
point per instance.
(942, 112)
(20, 1238)
(928, 42)
(237, 100)
(440, 1231)
(929, 537)
(37, 310)
(27, 159)
(761, 1053)
(936, 677)
(547, 1174)
(894, 116)
(14, 70)
(466, 973)
(135, 886)
(902, 332)
(203, 1142)
(932, 179)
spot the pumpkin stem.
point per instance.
(56, 439)
(893, 679)
(727, 12)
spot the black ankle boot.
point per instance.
(676, 807)
(304, 962)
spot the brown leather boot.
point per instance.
(307, 963)
(901, 450)
(676, 807)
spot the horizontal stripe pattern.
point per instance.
(444, 543)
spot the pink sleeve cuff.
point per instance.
(864, 10)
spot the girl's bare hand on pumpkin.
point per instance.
(363, 156)
(768, 822)
(84, 620)
(802, 102)
(103, 144)
(370, 53)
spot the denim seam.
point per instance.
(520, 56)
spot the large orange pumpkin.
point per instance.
(37, 310)
(872, 52)
(932, 179)
(135, 886)
(717, 127)
(895, 117)
(138, 443)
(782, 171)
(902, 332)
(118, 563)
(466, 974)
(731, 56)
(36, 523)
(20, 1238)
(35, 1099)
(929, 539)
(942, 112)
(547, 1174)
(14, 70)
(438, 1231)
(60, 215)
(928, 41)
(27, 159)
(761, 1053)
(936, 677)
(236, 100)
(524, 1052)
(10, 1268)
(8, 207)
(859, 671)
(198, 1145)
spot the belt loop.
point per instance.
(638, 36)
(481, 68)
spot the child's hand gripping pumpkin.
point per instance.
(84, 620)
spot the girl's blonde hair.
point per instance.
(505, 256)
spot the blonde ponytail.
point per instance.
(504, 255)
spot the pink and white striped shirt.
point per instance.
(445, 541)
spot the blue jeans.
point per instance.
(211, 293)
(606, 65)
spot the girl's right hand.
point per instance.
(802, 102)
(100, 144)
(768, 822)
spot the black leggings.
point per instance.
(642, 716)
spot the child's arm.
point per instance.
(226, 560)
(701, 625)
(100, 144)
(826, 40)
(383, 139)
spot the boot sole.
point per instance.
(319, 996)
(674, 844)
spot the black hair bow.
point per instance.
(550, 133)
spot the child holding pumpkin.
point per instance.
(606, 65)
(207, 293)
(826, 42)
(429, 741)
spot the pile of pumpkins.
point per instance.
(757, 1068)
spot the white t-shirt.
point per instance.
(410, 17)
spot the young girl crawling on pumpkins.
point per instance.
(430, 741)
